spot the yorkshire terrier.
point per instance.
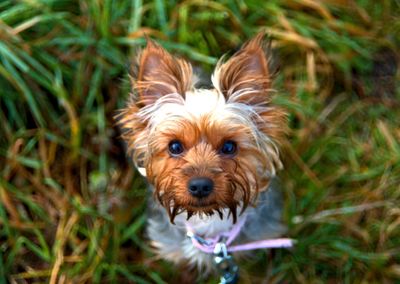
(209, 155)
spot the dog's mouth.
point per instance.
(202, 206)
(202, 203)
(203, 209)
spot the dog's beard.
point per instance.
(237, 193)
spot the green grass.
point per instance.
(72, 206)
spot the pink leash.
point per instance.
(208, 245)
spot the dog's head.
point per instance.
(204, 150)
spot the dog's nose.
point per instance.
(200, 186)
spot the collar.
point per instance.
(208, 245)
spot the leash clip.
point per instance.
(225, 264)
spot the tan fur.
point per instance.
(234, 178)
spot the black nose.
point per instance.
(200, 186)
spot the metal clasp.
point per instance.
(225, 264)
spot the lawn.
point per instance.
(72, 205)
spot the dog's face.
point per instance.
(204, 150)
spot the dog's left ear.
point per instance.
(245, 77)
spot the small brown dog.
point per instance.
(206, 153)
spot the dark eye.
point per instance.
(175, 147)
(229, 147)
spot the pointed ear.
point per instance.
(157, 73)
(245, 77)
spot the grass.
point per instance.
(71, 207)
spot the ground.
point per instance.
(72, 205)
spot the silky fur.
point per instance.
(165, 106)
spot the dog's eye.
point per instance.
(175, 147)
(229, 147)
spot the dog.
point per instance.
(210, 156)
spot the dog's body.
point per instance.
(206, 153)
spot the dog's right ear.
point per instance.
(157, 73)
